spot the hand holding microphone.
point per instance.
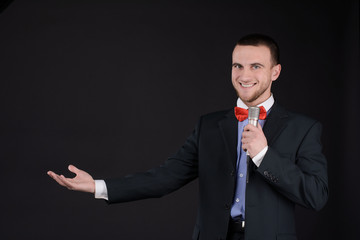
(253, 139)
(253, 118)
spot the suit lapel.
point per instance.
(275, 122)
(229, 129)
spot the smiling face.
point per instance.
(253, 72)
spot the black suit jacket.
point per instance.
(293, 171)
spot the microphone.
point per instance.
(253, 115)
(253, 118)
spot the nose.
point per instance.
(245, 74)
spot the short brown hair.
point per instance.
(257, 39)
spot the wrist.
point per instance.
(257, 159)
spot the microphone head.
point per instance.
(254, 113)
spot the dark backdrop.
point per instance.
(115, 87)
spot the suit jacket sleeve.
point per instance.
(295, 166)
(176, 172)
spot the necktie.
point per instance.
(242, 113)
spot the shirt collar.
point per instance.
(267, 104)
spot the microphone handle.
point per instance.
(247, 168)
(253, 122)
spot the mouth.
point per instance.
(247, 85)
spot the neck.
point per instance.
(267, 103)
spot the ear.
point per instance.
(275, 72)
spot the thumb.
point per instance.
(73, 169)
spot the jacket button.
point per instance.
(227, 206)
(266, 173)
(232, 173)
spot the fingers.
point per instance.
(57, 178)
(253, 139)
(81, 182)
(250, 127)
(53, 175)
(68, 182)
(60, 179)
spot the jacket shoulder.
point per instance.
(293, 116)
(213, 116)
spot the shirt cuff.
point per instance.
(260, 156)
(101, 190)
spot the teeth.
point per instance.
(247, 85)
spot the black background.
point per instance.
(115, 87)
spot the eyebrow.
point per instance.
(251, 64)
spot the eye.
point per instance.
(256, 67)
(236, 65)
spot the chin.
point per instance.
(246, 98)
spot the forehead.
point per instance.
(251, 54)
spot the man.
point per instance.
(238, 199)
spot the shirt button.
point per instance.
(237, 200)
(241, 175)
